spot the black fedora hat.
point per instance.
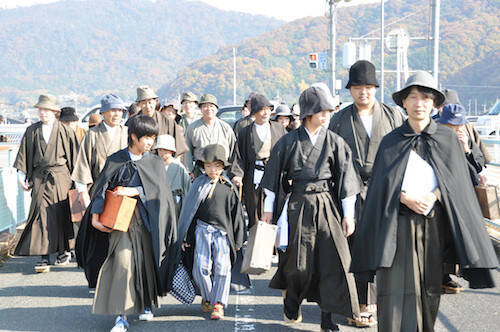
(362, 73)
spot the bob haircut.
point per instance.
(141, 125)
(427, 92)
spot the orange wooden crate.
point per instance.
(118, 211)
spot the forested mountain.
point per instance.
(96, 46)
(275, 63)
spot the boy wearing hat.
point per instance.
(208, 130)
(253, 149)
(420, 211)
(284, 116)
(178, 177)
(147, 102)
(139, 262)
(101, 141)
(45, 159)
(362, 125)
(68, 117)
(314, 166)
(211, 222)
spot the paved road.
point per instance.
(60, 301)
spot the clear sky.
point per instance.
(283, 9)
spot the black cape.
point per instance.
(161, 222)
(375, 244)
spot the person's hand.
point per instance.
(191, 175)
(185, 245)
(483, 180)
(418, 203)
(238, 181)
(464, 140)
(267, 217)
(348, 226)
(126, 191)
(23, 185)
(97, 224)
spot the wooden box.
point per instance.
(118, 212)
(259, 252)
(488, 198)
(77, 204)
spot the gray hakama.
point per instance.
(410, 290)
(127, 281)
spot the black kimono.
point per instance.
(316, 263)
(348, 125)
(248, 145)
(157, 213)
(393, 240)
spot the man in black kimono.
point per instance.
(420, 211)
(362, 125)
(253, 148)
(315, 166)
(44, 162)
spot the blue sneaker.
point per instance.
(121, 325)
(147, 315)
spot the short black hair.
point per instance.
(141, 125)
(427, 92)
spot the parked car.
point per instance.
(230, 114)
(489, 124)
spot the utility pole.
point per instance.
(332, 46)
(436, 4)
(382, 32)
(234, 75)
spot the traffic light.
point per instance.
(313, 60)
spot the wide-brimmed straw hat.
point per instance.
(47, 101)
(423, 79)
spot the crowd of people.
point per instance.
(379, 204)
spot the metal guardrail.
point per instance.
(14, 202)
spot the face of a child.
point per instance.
(166, 155)
(214, 169)
(142, 145)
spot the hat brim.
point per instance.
(398, 95)
(201, 163)
(455, 121)
(112, 106)
(208, 102)
(153, 96)
(69, 118)
(194, 101)
(48, 106)
(349, 84)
